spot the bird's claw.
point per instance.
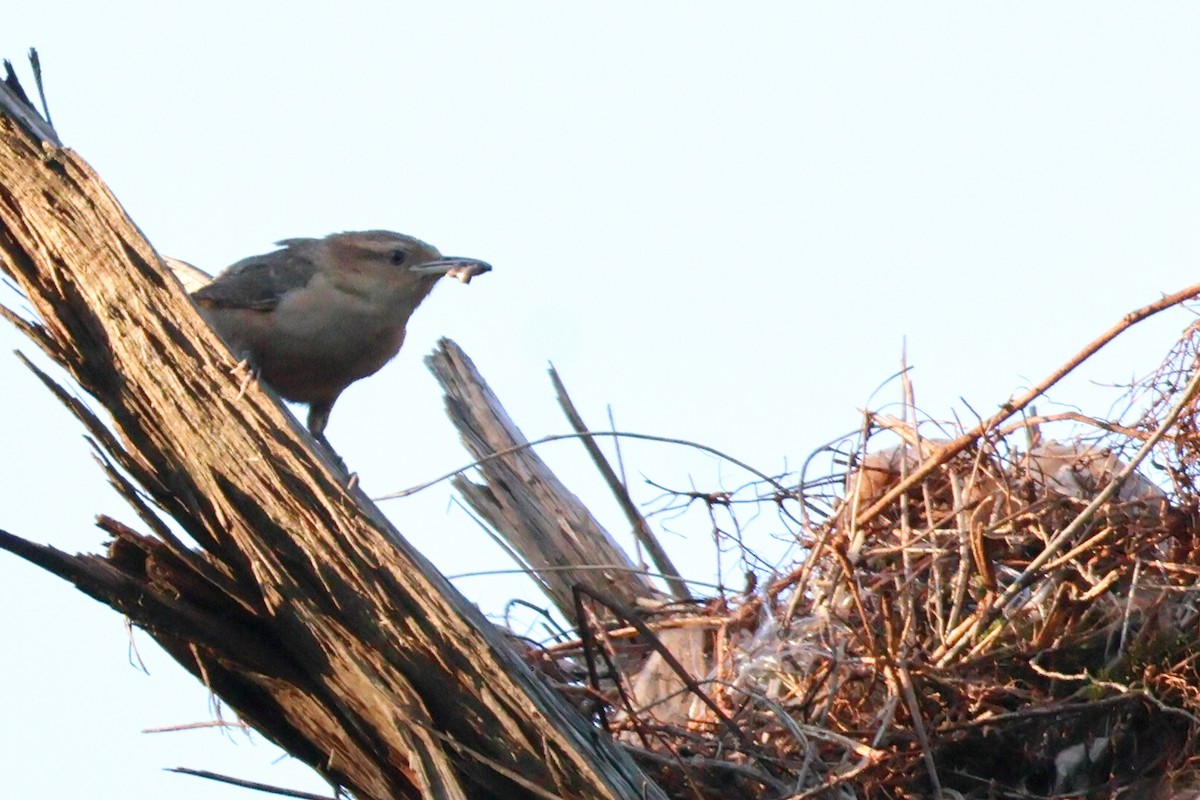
(249, 372)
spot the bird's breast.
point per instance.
(316, 341)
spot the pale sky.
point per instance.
(723, 220)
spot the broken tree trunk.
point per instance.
(546, 526)
(301, 607)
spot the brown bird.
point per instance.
(318, 314)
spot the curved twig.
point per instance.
(555, 437)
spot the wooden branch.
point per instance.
(525, 502)
(641, 530)
(302, 608)
(255, 785)
(20, 108)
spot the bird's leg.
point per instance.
(318, 418)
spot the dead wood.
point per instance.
(551, 531)
(300, 605)
(641, 530)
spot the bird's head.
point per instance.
(383, 264)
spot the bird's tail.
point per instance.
(191, 277)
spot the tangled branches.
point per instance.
(988, 614)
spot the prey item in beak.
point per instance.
(462, 268)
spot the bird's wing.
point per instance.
(259, 282)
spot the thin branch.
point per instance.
(1014, 406)
(714, 764)
(255, 785)
(581, 568)
(193, 726)
(557, 437)
(991, 612)
(640, 529)
(673, 664)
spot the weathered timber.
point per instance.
(641, 529)
(301, 606)
(559, 540)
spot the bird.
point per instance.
(316, 315)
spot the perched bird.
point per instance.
(318, 314)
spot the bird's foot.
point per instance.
(249, 372)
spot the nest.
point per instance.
(982, 613)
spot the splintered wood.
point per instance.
(289, 596)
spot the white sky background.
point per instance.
(721, 219)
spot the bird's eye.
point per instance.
(397, 256)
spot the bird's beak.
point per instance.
(462, 268)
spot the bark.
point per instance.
(295, 601)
